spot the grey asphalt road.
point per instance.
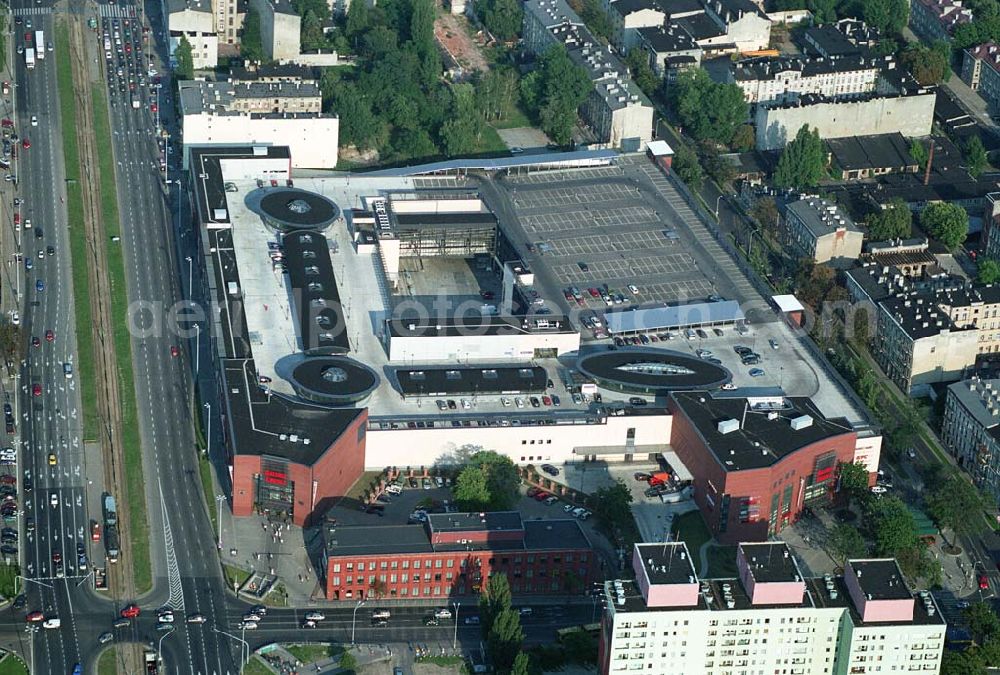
(48, 422)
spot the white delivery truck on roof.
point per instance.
(29, 57)
(40, 43)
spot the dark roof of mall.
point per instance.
(770, 562)
(637, 368)
(335, 376)
(496, 521)
(206, 173)
(482, 379)
(269, 424)
(539, 535)
(474, 325)
(880, 578)
(296, 208)
(322, 327)
(759, 442)
(406, 221)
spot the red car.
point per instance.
(26, 144)
(17, 218)
(546, 400)
(36, 390)
(50, 336)
(35, 616)
(984, 582)
(95, 531)
(174, 351)
(153, 107)
(130, 612)
(27, 37)
(542, 496)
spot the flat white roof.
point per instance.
(659, 148)
(787, 303)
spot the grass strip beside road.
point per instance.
(312, 652)
(256, 667)
(108, 663)
(12, 665)
(8, 578)
(135, 489)
(85, 378)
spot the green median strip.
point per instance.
(85, 379)
(135, 489)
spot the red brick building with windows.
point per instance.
(290, 459)
(453, 555)
(758, 461)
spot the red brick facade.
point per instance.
(309, 489)
(748, 505)
(449, 574)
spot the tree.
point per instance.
(555, 93)
(956, 505)
(612, 505)
(802, 161)
(185, 59)
(919, 153)
(10, 339)
(505, 639)
(495, 93)
(975, 157)
(422, 26)
(983, 622)
(594, 17)
(765, 211)
(887, 16)
(251, 42)
(824, 11)
(847, 543)
(894, 221)
(358, 124)
(708, 110)
(311, 33)
(946, 222)
(3, 41)
(487, 483)
(494, 599)
(357, 19)
(929, 65)
(892, 525)
(852, 479)
(501, 17)
(521, 664)
(685, 165)
(318, 7)
(743, 138)
(348, 662)
(642, 74)
(460, 134)
(989, 271)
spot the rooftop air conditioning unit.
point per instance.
(801, 422)
(728, 426)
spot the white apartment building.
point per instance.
(194, 20)
(770, 619)
(229, 15)
(784, 80)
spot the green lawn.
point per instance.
(135, 488)
(11, 665)
(722, 561)
(86, 381)
(313, 652)
(108, 663)
(8, 573)
(235, 574)
(515, 120)
(256, 667)
(690, 528)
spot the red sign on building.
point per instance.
(275, 477)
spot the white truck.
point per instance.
(29, 58)
(40, 44)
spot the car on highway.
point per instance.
(105, 638)
(36, 389)
(95, 531)
(39, 285)
(25, 143)
(121, 623)
(53, 500)
(130, 611)
(52, 459)
(50, 336)
(251, 617)
(34, 617)
(34, 121)
(174, 351)
(984, 582)
(54, 622)
(315, 616)
(246, 625)
(196, 618)
(165, 617)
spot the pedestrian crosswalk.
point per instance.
(117, 11)
(33, 11)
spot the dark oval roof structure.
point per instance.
(334, 380)
(651, 371)
(290, 208)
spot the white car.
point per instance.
(15, 318)
(53, 500)
(633, 289)
(52, 623)
(466, 405)
(878, 490)
(247, 625)
(315, 616)
(248, 618)
(505, 401)
(34, 121)
(728, 386)
(166, 617)
(519, 402)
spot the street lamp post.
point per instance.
(190, 262)
(454, 639)
(218, 500)
(159, 645)
(717, 200)
(197, 349)
(354, 618)
(208, 438)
